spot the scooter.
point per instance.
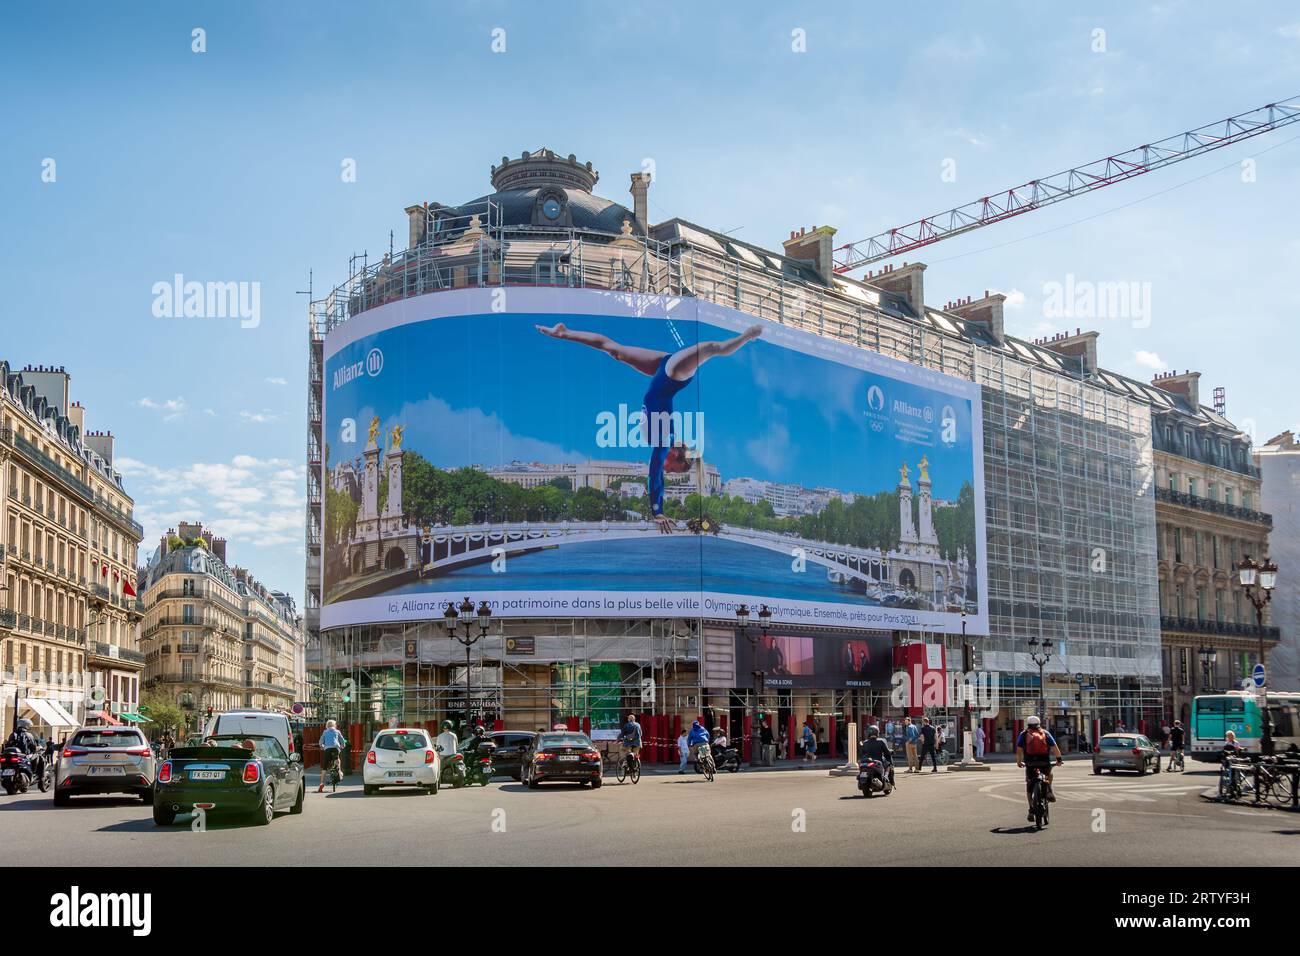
(16, 772)
(728, 759)
(875, 776)
(453, 770)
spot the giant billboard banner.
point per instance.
(580, 453)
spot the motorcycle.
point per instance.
(725, 758)
(479, 760)
(17, 773)
(453, 770)
(875, 776)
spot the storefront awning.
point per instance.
(48, 713)
(105, 716)
(68, 719)
(137, 718)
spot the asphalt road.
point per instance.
(769, 819)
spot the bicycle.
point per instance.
(1234, 783)
(1273, 784)
(1175, 762)
(704, 762)
(1038, 802)
(333, 774)
(629, 766)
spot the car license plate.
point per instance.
(207, 774)
(401, 773)
(568, 756)
(106, 771)
(6, 773)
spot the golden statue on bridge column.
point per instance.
(924, 465)
(902, 475)
(397, 437)
(374, 430)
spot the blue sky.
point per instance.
(496, 390)
(225, 166)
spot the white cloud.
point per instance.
(173, 408)
(259, 418)
(250, 501)
(1015, 298)
(1290, 31)
(1149, 359)
(277, 381)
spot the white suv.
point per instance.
(254, 723)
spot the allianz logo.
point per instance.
(371, 365)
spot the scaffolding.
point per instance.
(1068, 465)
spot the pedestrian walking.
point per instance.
(809, 743)
(683, 751)
(979, 742)
(929, 738)
(911, 736)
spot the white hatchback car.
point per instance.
(401, 757)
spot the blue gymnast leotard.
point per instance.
(659, 399)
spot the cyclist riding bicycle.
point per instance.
(631, 738)
(331, 744)
(1035, 748)
(1177, 736)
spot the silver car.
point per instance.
(1133, 752)
(104, 760)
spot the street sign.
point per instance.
(1257, 675)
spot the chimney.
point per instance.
(986, 312)
(1187, 385)
(1082, 345)
(813, 245)
(50, 383)
(101, 443)
(77, 415)
(417, 217)
(640, 199)
(191, 529)
(219, 549)
(907, 281)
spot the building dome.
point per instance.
(544, 190)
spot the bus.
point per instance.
(1213, 715)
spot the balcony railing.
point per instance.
(47, 465)
(119, 516)
(1187, 500)
(101, 649)
(1225, 628)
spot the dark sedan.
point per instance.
(245, 775)
(508, 757)
(563, 755)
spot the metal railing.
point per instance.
(1225, 628)
(1188, 500)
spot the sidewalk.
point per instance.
(825, 764)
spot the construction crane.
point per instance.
(1073, 182)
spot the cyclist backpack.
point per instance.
(1036, 742)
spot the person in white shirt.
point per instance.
(447, 743)
(684, 749)
(979, 743)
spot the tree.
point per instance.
(162, 710)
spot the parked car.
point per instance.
(561, 755)
(401, 757)
(252, 723)
(240, 774)
(105, 760)
(511, 745)
(1126, 752)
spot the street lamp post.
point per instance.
(756, 759)
(1040, 652)
(453, 618)
(1259, 580)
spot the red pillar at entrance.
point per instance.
(990, 735)
(793, 742)
(498, 725)
(572, 723)
(586, 726)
